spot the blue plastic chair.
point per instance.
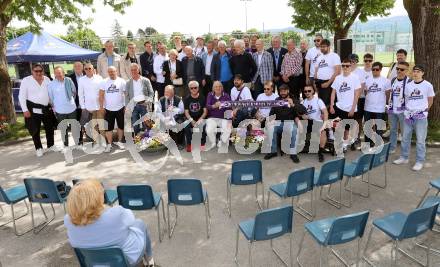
(331, 172)
(141, 197)
(245, 172)
(299, 182)
(187, 192)
(399, 226)
(109, 257)
(380, 158)
(11, 197)
(335, 231)
(433, 185)
(356, 168)
(110, 195)
(267, 225)
(43, 191)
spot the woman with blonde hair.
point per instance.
(90, 225)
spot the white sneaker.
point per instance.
(40, 152)
(54, 148)
(418, 166)
(120, 145)
(108, 148)
(400, 161)
(219, 143)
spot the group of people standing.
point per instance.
(191, 83)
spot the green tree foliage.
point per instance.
(84, 37)
(208, 37)
(285, 36)
(237, 34)
(12, 32)
(35, 12)
(117, 32)
(130, 35)
(336, 16)
(150, 31)
(141, 33)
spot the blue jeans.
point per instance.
(421, 129)
(278, 130)
(143, 227)
(139, 110)
(395, 121)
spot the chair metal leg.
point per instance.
(358, 252)
(260, 206)
(321, 248)
(158, 224)
(412, 257)
(300, 248)
(236, 246)
(424, 196)
(364, 253)
(3, 212)
(359, 193)
(334, 202)
(45, 223)
(308, 215)
(208, 217)
(228, 197)
(276, 252)
(339, 257)
(12, 213)
(268, 198)
(250, 254)
(171, 227)
(16, 218)
(385, 179)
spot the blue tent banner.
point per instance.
(43, 47)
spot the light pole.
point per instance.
(245, 11)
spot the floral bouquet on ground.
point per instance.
(4, 126)
(151, 142)
(248, 136)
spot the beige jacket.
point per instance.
(102, 64)
(125, 67)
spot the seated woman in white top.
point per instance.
(268, 94)
(90, 225)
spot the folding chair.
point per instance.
(358, 167)
(187, 192)
(110, 195)
(43, 191)
(245, 172)
(299, 182)
(267, 225)
(434, 184)
(141, 197)
(109, 257)
(399, 226)
(11, 197)
(331, 172)
(381, 158)
(335, 231)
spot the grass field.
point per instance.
(15, 131)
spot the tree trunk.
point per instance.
(7, 111)
(339, 34)
(425, 21)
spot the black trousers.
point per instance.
(371, 116)
(258, 88)
(160, 87)
(208, 86)
(324, 93)
(33, 123)
(294, 86)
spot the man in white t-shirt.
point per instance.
(112, 103)
(268, 94)
(316, 111)
(377, 91)
(397, 103)
(347, 89)
(327, 67)
(241, 93)
(419, 96)
(359, 115)
(311, 57)
(88, 94)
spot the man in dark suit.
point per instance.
(277, 53)
(78, 72)
(146, 60)
(192, 68)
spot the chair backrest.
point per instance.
(381, 157)
(111, 257)
(135, 197)
(331, 172)
(300, 181)
(363, 164)
(419, 221)
(3, 197)
(42, 190)
(347, 228)
(106, 199)
(186, 191)
(246, 172)
(272, 223)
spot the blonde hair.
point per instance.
(85, 202)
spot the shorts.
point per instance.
(343, 115)
(111, 116)
(359, 114)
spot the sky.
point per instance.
(193, 17)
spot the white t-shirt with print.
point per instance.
(325, 65)
(397, 96)
(312, 55)
(314, 108)
(416, 96)
(114, 93)
(263, 97)
(361, 74)
(375, 100)
(245, 95)
(345, 87)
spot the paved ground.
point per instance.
(189, 246)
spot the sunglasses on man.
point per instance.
(400, 69)
(194, 87)
(346, 65)
(368, 60)
(38, 70)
